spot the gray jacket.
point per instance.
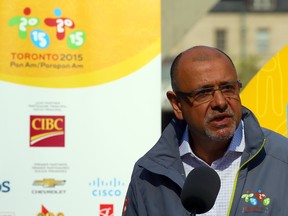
(261, 184)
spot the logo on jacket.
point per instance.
(256, 202)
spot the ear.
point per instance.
(175, 103)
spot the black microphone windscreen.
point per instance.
(200, 190)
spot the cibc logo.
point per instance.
(4, 186)
(107, 188)
(47, 131)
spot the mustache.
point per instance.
(216, 115)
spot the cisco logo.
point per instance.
(107, 188)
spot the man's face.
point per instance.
(217, 118)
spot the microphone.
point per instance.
(200, 190)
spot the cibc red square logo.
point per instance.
(47, 131)
(106, 210)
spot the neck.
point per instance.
(209, 150)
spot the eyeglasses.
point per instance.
(206, 94)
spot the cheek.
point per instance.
(239, 115)
(237, 109)
(195, 118)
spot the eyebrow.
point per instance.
(211, 86)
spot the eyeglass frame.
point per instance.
(186, 95)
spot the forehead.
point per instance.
(194, 72)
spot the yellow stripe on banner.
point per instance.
(267, 93)
(97, 77)
(80, 44)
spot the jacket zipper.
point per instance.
(237, 174)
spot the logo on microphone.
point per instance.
(47, 131)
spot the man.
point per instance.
(212, 129)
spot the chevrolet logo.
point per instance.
(49, 183)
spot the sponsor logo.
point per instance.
(106, 210)
(5, 186)
(256, 202)
(7, 213)
(107, 188)
(47, 131)
(40, 38)
(49, 185)
(125, 205)
(45, 212)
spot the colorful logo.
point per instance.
(107, 188)
(106, 210)
(49, 183)
(39, 37)
(258, 201)
(45, 212)
(47, 131)
(72, 46)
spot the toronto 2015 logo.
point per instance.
(258, 201)
(26, 24)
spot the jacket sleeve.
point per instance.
(133, 203)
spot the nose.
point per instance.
(219, 102)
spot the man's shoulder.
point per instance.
(274, 136)
(276, 145)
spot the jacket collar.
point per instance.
(164, 157)
(254, 135)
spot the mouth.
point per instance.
(221, 120)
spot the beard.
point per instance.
(221, 134)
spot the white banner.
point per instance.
(79, 104)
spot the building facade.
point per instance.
(249, 31)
